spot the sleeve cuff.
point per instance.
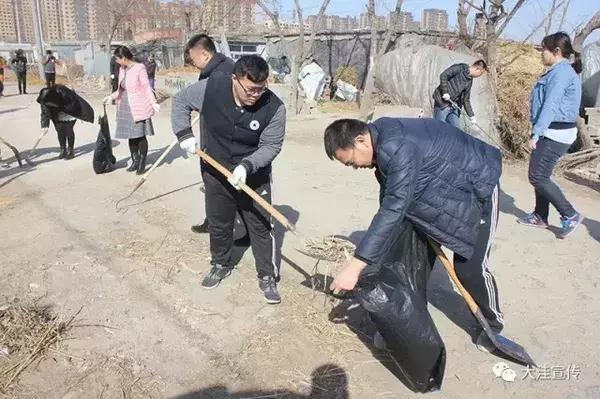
(184, 134)
(247, 165)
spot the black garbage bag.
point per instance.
(104, 160)
(395, 297)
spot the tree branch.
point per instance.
(564, 15)
(478, 8)
(584, 32)
(510, 15)
(313, 33)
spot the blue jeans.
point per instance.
(447, 114)
(541, 165)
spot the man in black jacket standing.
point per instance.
(437, 177)
(243, 125)
(201, 52)
(455, 87)
(19, 64)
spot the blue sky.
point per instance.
(521, 25)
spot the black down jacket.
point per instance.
(60, 98)
(433, 174)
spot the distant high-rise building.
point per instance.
(22, 17)
(8, 31)
(434, 20)
(405, 21)
(381, 22)
(231, 15)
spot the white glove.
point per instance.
(188, 145)
(112, 76)
(446, 97)
(239, 176)
(473, 120)
(107, 100)
(156, 107)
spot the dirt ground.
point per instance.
(147, 329)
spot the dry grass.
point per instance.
(338, 107)
(27, 332)
(515, 83)
(330, 248)
(177, 70)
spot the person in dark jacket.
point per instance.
(455, 86)
(151, 68)
(49, 62)
(201, 52)
(440, 179)
(243, 126)
(63, 107)
(114, 73)
(19, 65)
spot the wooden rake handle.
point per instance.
(449, 266)
(253, 194)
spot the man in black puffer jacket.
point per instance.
(435, 176)
(455, 87)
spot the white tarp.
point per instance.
(345, 91)
(312, 81)
(410, 75)
(590, 76)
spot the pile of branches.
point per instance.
(27, 332)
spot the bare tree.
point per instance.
(367, 103)
(550, 16)
(303, 52)
(563, 17)
(496, 20)
(584, 31)
(462, 13)
(112, 13)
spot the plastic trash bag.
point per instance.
(312, 80)
(345, 91)
(395, 298)
(104, 160)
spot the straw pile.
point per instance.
(330, 248)
(26, 333)
(521, 68)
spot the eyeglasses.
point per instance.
(257, 91)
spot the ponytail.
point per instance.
(562, 41)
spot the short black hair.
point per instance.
(201, 40)
(123, 52)
(252, 67)
(48, 51)
(342, 133)
(481, 64)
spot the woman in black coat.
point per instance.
(63, 107)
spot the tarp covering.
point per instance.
(590, 76)
(411, 74)
(312, 81)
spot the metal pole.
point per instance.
(37, 27)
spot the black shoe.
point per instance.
(63, 153)
(70, 154)
(214, 277)
(135, 163)
(201, 228)
(268, 286)
(141, 166)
